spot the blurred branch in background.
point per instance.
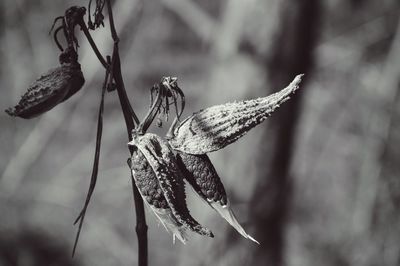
(386, 91)
(376, 140)
(198, 20)
(338, 52)
(293, 53)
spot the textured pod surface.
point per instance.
(202, 176)
(147, 184)
(50, 89)
(215, 127)
(163, 163)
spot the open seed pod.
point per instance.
(160, 183)
(147, 184)
(202, 176)
(50, 89)
(215, 127)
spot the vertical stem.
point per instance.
(129, 116)
(114, 34)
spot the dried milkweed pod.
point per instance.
(160, 183)
(215, 127)
(202, 176)
(50, 89)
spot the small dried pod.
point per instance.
(50, 89)
(161, 163)
(202, 176)
(215, 127)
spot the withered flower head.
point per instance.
(97, 15)
(73, 16)
(162, 95)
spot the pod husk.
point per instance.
(216, 127)
(50, 89)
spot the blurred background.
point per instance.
(317, 184)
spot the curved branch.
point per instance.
(92, 43)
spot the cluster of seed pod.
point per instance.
(159, 166)
(160, 182)
(58, 84)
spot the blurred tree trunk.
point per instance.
(375, 215)
(292, 54)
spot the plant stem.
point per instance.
(92, 43)
(104, 63)
(129, 116)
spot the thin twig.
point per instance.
(129, 115)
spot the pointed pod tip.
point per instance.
(203, 231)
(227, 213)
(296, 81)
(9, 111)
(299, 76)
(252, 239)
